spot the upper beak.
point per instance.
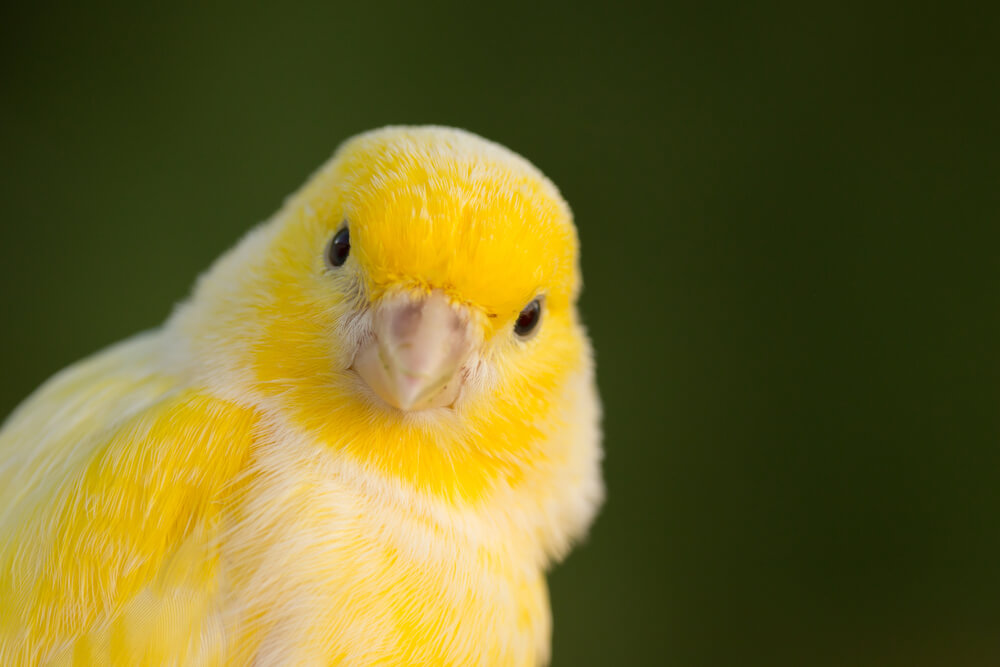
(414, 360)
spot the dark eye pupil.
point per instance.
(528, 319)
(340, 247)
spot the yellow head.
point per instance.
(412, 306)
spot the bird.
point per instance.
(364, 438)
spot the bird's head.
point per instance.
(414, 304)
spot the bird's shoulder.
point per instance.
(64, 421)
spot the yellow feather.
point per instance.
(117, 530)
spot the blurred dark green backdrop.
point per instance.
(788, 218)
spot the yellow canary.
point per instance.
(362, 441)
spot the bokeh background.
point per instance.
(789, 223)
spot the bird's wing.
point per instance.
(112, 480)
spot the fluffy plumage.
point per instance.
(228, 490)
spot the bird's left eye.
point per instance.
(340, 248)
(528, 319)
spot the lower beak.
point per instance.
(415, 358)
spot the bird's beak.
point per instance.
(414, 360)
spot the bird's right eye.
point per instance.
(340, 248)
(527, 320)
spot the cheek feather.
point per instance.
(497, 432)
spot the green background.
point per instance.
(788, 217)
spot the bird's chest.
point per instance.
(339, 578)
